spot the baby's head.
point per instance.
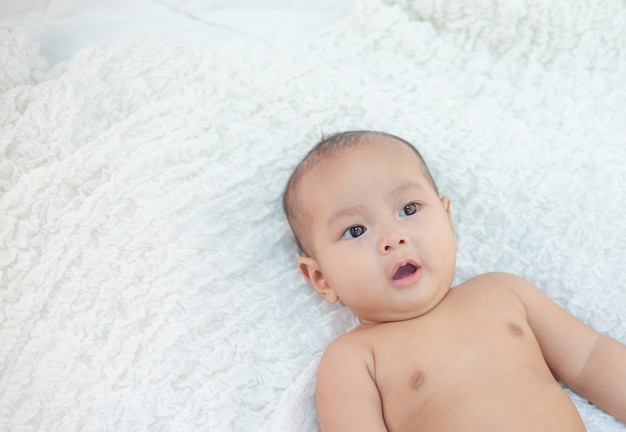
(373, 229)
(327, 148)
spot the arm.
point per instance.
(347, 398)
(603, 378)
(589, 363)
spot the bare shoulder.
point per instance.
(348, 344)
(347, 350)
(347, 398)
(498, 286)
(516, 285)
(533, 298)
(500, 279)
(565, 341)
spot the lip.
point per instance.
(407, 280)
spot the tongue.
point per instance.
(404, 271)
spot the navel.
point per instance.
(516, 330)
(417, 380)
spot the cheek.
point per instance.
(345, 265)
(439, 239)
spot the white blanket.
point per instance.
(147, 272)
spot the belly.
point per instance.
(506, 392)
(475, 402)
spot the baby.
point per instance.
(482, 356)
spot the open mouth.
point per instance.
(404, 271)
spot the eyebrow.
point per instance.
(356, 209)
(343, 213)
(408, 185)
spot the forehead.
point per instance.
(371, 153)
(374, 164)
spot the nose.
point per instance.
(392, 241)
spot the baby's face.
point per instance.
(382, 239)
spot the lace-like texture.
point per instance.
(147, 273)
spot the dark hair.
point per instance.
(329, 146)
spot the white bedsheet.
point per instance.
(63, 27)
(147, 273)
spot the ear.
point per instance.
(310, 269)
(445, 201)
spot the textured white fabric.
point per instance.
(147, 271)
(63, 27)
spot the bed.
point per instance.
(147, 271)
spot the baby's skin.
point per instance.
(484, 355)
(470, 364)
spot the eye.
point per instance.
(354, 231)
(409, 209)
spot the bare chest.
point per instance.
(418, 359)
(462, 366)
